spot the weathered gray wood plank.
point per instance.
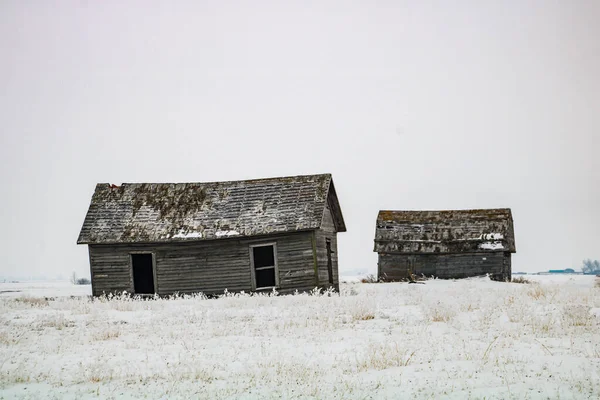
(209, 267)
(394, 267)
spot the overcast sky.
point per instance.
(409, 104)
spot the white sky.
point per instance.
(409, 104)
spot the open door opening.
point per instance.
(143, 273)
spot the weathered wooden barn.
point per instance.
(445, 244)
(251, 235)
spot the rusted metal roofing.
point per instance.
(166, 212)
(451, 231)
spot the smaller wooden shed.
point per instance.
(250, 235)
(445, 244)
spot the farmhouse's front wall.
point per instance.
(212, 266)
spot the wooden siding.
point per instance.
(394, 267)
(327, 231)
(209, 267)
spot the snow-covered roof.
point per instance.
(166, 212)
(451, 231)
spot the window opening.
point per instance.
(265, 266)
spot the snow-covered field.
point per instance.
(43, 289)
(444, 339)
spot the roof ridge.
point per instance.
(450, 210)
(223, 182)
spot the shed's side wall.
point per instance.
(209, 267)
(394, 267)
(327, 231)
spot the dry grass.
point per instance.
(363, 311)
(578, 315)
(381, 356)
(6, 339)
(520, 279)
(537, 292)
(369, 279)
(108, 334)
(56, 321)
(441, 312)
(32, 301)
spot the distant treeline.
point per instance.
(591, 267)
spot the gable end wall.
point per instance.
(327, 231)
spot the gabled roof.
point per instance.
(452, 231)
(166, 212)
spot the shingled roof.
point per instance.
(452, 231)
(166, 212)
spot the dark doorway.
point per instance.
(263, 260)
(143, 273)
(329, 262)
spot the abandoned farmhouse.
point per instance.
(251, 235)
(444, 244)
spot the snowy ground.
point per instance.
(563, 279)
(43, 289)
(445, 339)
